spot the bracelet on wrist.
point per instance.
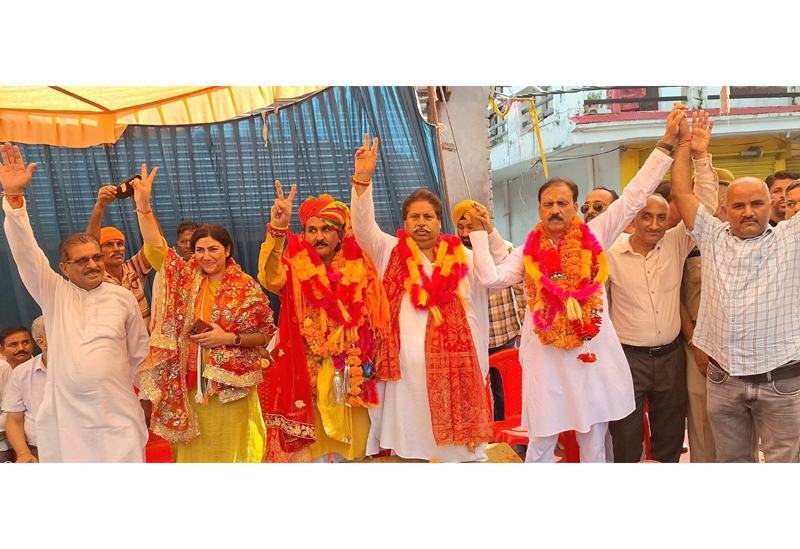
(11, 195)
(276, 232)
(359, 182)
(23, 453)
(143, 212)
(665, 146)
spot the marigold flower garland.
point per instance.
(564, 283)
(335, 325)
(449, 267)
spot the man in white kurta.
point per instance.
(89, 412)
(403, 420)
(559, 392)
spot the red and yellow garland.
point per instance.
(336, 323)
(564, 283)
(449, 267)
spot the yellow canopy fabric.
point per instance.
(84, 116)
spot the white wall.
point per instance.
(517, 215)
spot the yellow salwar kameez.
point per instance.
(232, 432)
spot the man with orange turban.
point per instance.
(315, 397)
(129, 274)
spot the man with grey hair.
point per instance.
(22, 397)
(749, 319)
(644, 284)
(89, 411)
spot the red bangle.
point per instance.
(685, 140)
(143, 212)
(275, 231)
(359, 182)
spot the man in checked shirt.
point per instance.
(506, 310)
(749, 320)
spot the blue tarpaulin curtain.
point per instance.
(222, 173)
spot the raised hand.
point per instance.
(673, 122)
(480, 218)
(281, 212)
(143, 187)
(14, 176)
(366, 159)
(106, 195)
(701, 133)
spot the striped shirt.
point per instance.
(749, 318)
(134, 273)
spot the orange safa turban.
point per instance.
(110, 233)
(332, 212)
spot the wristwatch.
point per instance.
(237, 339)
(665, 146)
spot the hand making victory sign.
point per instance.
(366, 159)
(281, 212)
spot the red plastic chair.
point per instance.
(506, 362)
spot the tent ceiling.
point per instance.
(83, 116)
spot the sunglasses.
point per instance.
(83, 261)
(597, 206)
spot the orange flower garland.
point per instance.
(449, 267)
(564, 285)
(336, 316)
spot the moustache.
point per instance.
(320, 243)
(746, 219)
(422, 228)
(91, 272)
(555, 216)
(21, 353)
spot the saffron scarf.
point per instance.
(239, 307)
(456, 392)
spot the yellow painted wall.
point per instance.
(778, 155)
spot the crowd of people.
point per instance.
(669, 304)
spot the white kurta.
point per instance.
(403, 421)
(5, 379)
(90, 412)
(24, 393)
(559, 392)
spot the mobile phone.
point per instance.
(125, 189)
(200, 326)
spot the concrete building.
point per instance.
(601, 137)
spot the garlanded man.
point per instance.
(566, 384)
(434, 359)
(333, 311)
(89, 412)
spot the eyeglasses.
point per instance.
(597, 206)
(83, 261)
